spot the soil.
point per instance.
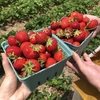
(19, 26)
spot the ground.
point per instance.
(19, 26)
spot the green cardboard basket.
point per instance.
(38, 78)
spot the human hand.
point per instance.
(86, 68)
(11, 88)
(91, 17)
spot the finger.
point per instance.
(75, 68)
(86, 57)
(77, 59)
(69, 64)
(5, 63)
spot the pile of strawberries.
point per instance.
(74, 28)
(33, 51)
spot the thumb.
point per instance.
(6, 66)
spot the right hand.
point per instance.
(97, 31)
(86, 69)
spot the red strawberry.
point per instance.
(75, 25)
(13, 52)
(58, 56)
(64, 23)
(41, 37)
(29, 52)
(87, 33)
(24, 44)
(76, 43)
(77, 16)
(68, 32)
(51, 44)
(53, 31)
(47, 31)
(82, 25)
(31, 66)
(23, 74)
(69, 40)
(43, 57)
(32, 32)
(79, 35)
(22, 36)
(48, 54)
(41, 48)
(54, 25)
(86, 19)
(12, 41)
(60, 33)
(50, 61)
(92, 24)
(32, 38)
(19, 63)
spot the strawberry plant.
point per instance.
(59, 84)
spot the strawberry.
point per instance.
(22, 74)
(41, 37)
(82, 25)
(22, 36)
(48, 54)
(77, 16)
(68, 32)
(19, 63)
(32, 38)
(87, 33)
(51, 44)
(50, 61)
(64, 23)
(32, 32)
(53, 31)
(23, 44)
(79, 35)
(47, 31)
(41, 48)
(29, 52)
(69, 40)
(12, 41)
(75, 25)
(60, 33)
(86, 19)
(43, 57)
(13, 52)
(92, 24)
(54, 25)
(31, 66)
(76, 43)
(58, 56)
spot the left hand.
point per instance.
(11, 88)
